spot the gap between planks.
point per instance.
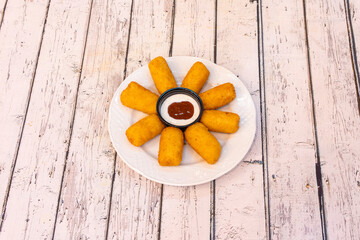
(316, 142)
(335, 94)
(115, 155)
(25, 115)
(263, 118)
(277, 228)
(72, 120)
(213, 183)
(352, 46)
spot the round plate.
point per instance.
(193, 169)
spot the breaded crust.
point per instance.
(161, 74)
(171, 147)
(219, 121)
(203, 142)
(139, 98)
(218, 96)
(144, 130)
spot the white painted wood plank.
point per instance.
(337, 116)
(33, 197)
(20, 37)
(135, 205)
(186, 212)
(188, 208)
(85, 197)
(294, 203)
(194, 29)
(240, 209)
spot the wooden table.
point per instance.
(62, 60)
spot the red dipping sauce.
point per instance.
(181, 110)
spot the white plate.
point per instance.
(192, 170)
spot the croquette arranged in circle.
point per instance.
(197, 135)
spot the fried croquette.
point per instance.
(161, 74)
(144, 130)
(196, 77)
(219, 121)
(218, 96)
(203, 142)
(139, 98)
(171, 147)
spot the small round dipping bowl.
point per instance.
(187, 95)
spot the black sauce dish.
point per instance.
(175, 91)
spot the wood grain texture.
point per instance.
(32, 203)
(85, 197)
(188, 208)
(194, 29)
(20, 37)
(239, 197)
(337, 116)
(294, 204)
(135, 204)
